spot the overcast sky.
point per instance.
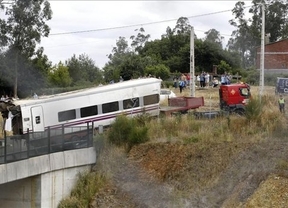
(100, 17)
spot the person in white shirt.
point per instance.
(215, 82)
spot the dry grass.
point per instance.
(227, 128)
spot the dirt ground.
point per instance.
(221, 174)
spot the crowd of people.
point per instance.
(203, 80)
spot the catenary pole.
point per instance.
(262, 52)
(192, 65)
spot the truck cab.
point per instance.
(234, 97)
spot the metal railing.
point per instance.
(20, 147)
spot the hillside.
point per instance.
(239, 172)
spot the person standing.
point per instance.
(281, 103)
(202, 80)
(181, 85)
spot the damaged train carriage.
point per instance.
(99, 105)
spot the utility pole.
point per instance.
(262, 52)
(192, 65)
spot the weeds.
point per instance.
(87, 186)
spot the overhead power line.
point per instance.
(135, 25)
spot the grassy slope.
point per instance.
(223, 162)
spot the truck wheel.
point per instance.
(239, 111)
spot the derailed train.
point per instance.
(99, 105)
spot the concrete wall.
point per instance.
(43, 181)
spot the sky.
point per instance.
(105, 21)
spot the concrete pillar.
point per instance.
(42, 191)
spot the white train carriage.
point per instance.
(100, 105)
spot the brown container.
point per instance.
(188, 102)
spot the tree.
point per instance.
(182, 26)
(139, 41)
(119, 54)
(247, 35)
(23, 29)
(159, 70)
(224, 67)
(59, 76)
(242, 37)
(82, 70)
(214, 36)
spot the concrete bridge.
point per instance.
(44, 180)
(38, 170)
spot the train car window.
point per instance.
(66, 115)
(110, 107)
(131, 103)
(89, 111)
(151, 99)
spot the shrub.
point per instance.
(120, 129)
(253, 109)
(137, 135)
(128, 132)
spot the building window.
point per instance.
(89, 111)
(66, 115)
(151, 99)
(110, 107)
(131, 103)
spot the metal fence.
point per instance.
(20, 147)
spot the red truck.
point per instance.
(234, 97)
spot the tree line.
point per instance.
(24, 67)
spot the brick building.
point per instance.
(276, 55)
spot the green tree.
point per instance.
(247, 35)
(241, 41)
(139, 41)
(214, 36)
(119, 54)
(83, 71)
(125, 62)
(173, 50)
(159, 70)
(24, 27)
(223, 67)
(59, 76)
(182, 26)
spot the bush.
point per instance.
(120, 129)
(128, 132)
(137, 135)
(253, 109)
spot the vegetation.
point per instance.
(88, 184)
(261, 122)
(22, 31)
(128, 132)
(26, 22)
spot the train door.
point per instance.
(37, 118)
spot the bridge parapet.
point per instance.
(46, 163)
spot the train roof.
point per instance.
(87, 91)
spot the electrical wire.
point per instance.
(137, 25)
